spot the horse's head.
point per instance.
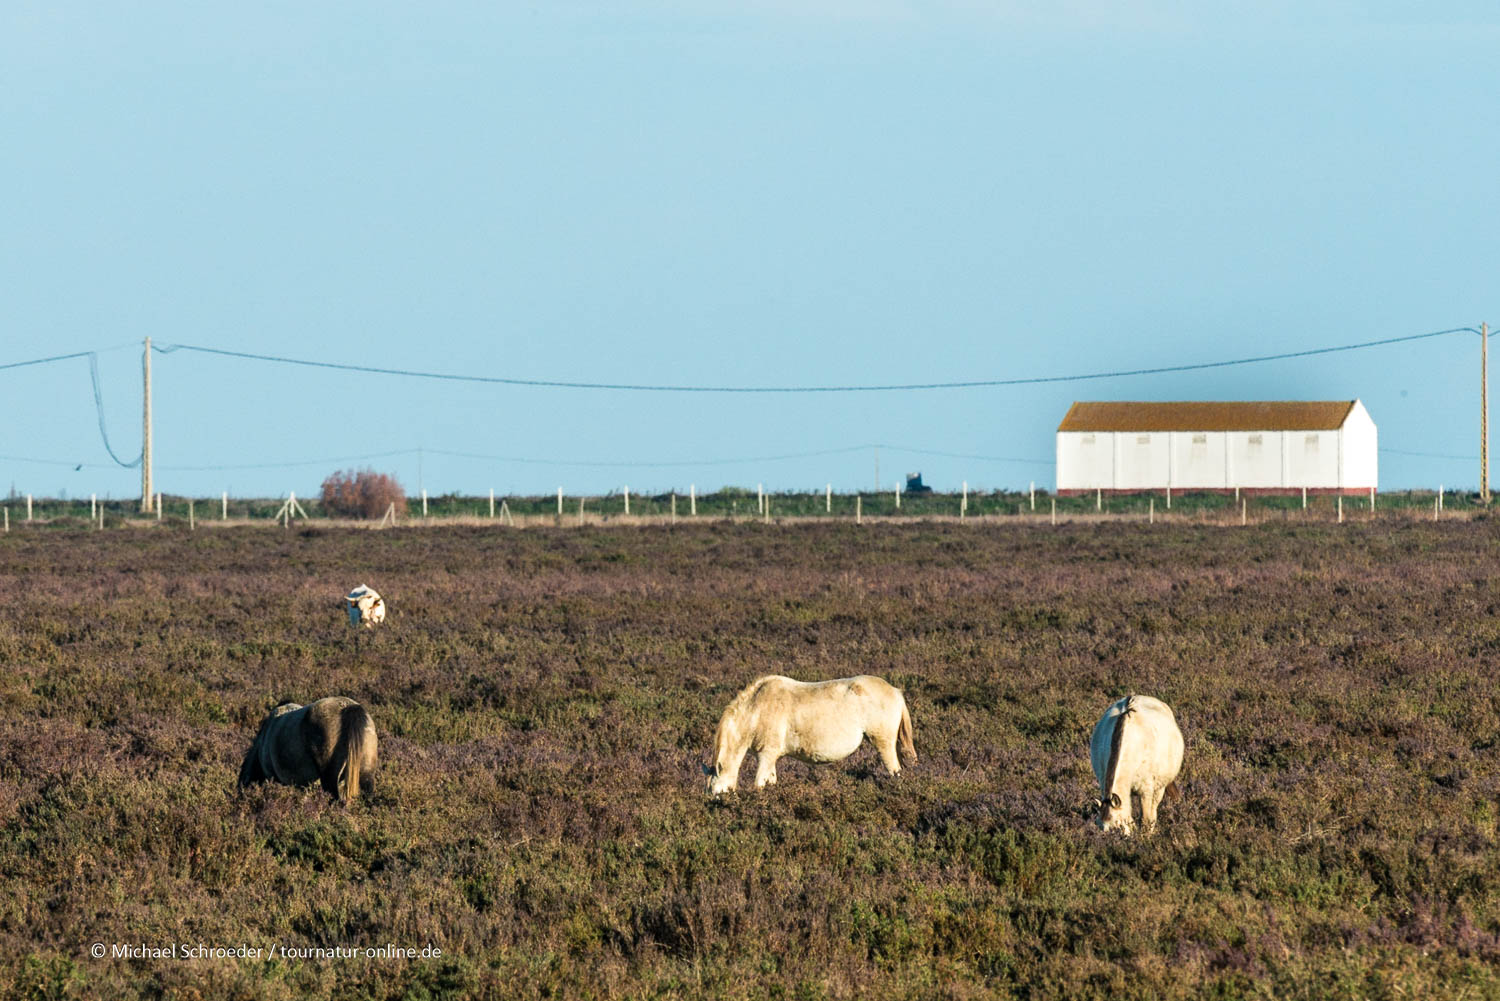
(1112, 814)
(716, 780)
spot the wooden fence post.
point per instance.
(828, 499)
(224, 508)
(1054, 510)
(1341, 508)
(28, 507)
(674, 507)
(93, 506)
(760, 498)
(492, 502)
(559, 502)
(1033, 495)
(192, 524)
(693, 499)
(1244, 512)
(858, 519)
(158, 505)
(424, 502)
(627, 499)
(1151, 511)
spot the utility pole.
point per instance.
(1484, 412)
(146, 494)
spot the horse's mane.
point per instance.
(732, 713)
(745, 697)
(1114, 747)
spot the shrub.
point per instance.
(362, 493)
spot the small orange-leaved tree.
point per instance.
(362, 493)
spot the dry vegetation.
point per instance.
(361, 493)
(545, 698)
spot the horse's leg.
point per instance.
(1150, 797)
(765, 768)
(886, 745)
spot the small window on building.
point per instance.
(1310, 443)
(1200, 439)
(1143, 439)
(1087, 439)
(1254, 441)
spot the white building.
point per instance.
(1261, 447)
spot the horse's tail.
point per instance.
(349, 753)
(1114, 746)
(250, 769)
(903, 735)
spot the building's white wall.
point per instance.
(1197, 461)
(1254, 458)
(1217, 460)
(1361, 452)
(1141, 459)
(1312, 458)
(1085, 460)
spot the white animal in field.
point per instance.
(365, 607)
(810, 720)
(1136, 748)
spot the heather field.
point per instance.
(545, 697)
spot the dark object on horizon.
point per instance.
(914, 484)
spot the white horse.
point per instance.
(813, 721)
(365, 607)
(1136, 748)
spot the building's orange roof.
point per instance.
(1285, 415)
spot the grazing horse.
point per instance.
(332, 740)
(1136, 748)
(365, 607)
(814, 721)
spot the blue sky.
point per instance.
(759, 193)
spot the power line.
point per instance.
(332, 460)
(99, 412)
(600, 464)
(966, 455)
(43, 361)
(93, 357)
(55, 462)
(288, 465)
(669, 464)
(1430, 455)
(75, 354)
(895, 387)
